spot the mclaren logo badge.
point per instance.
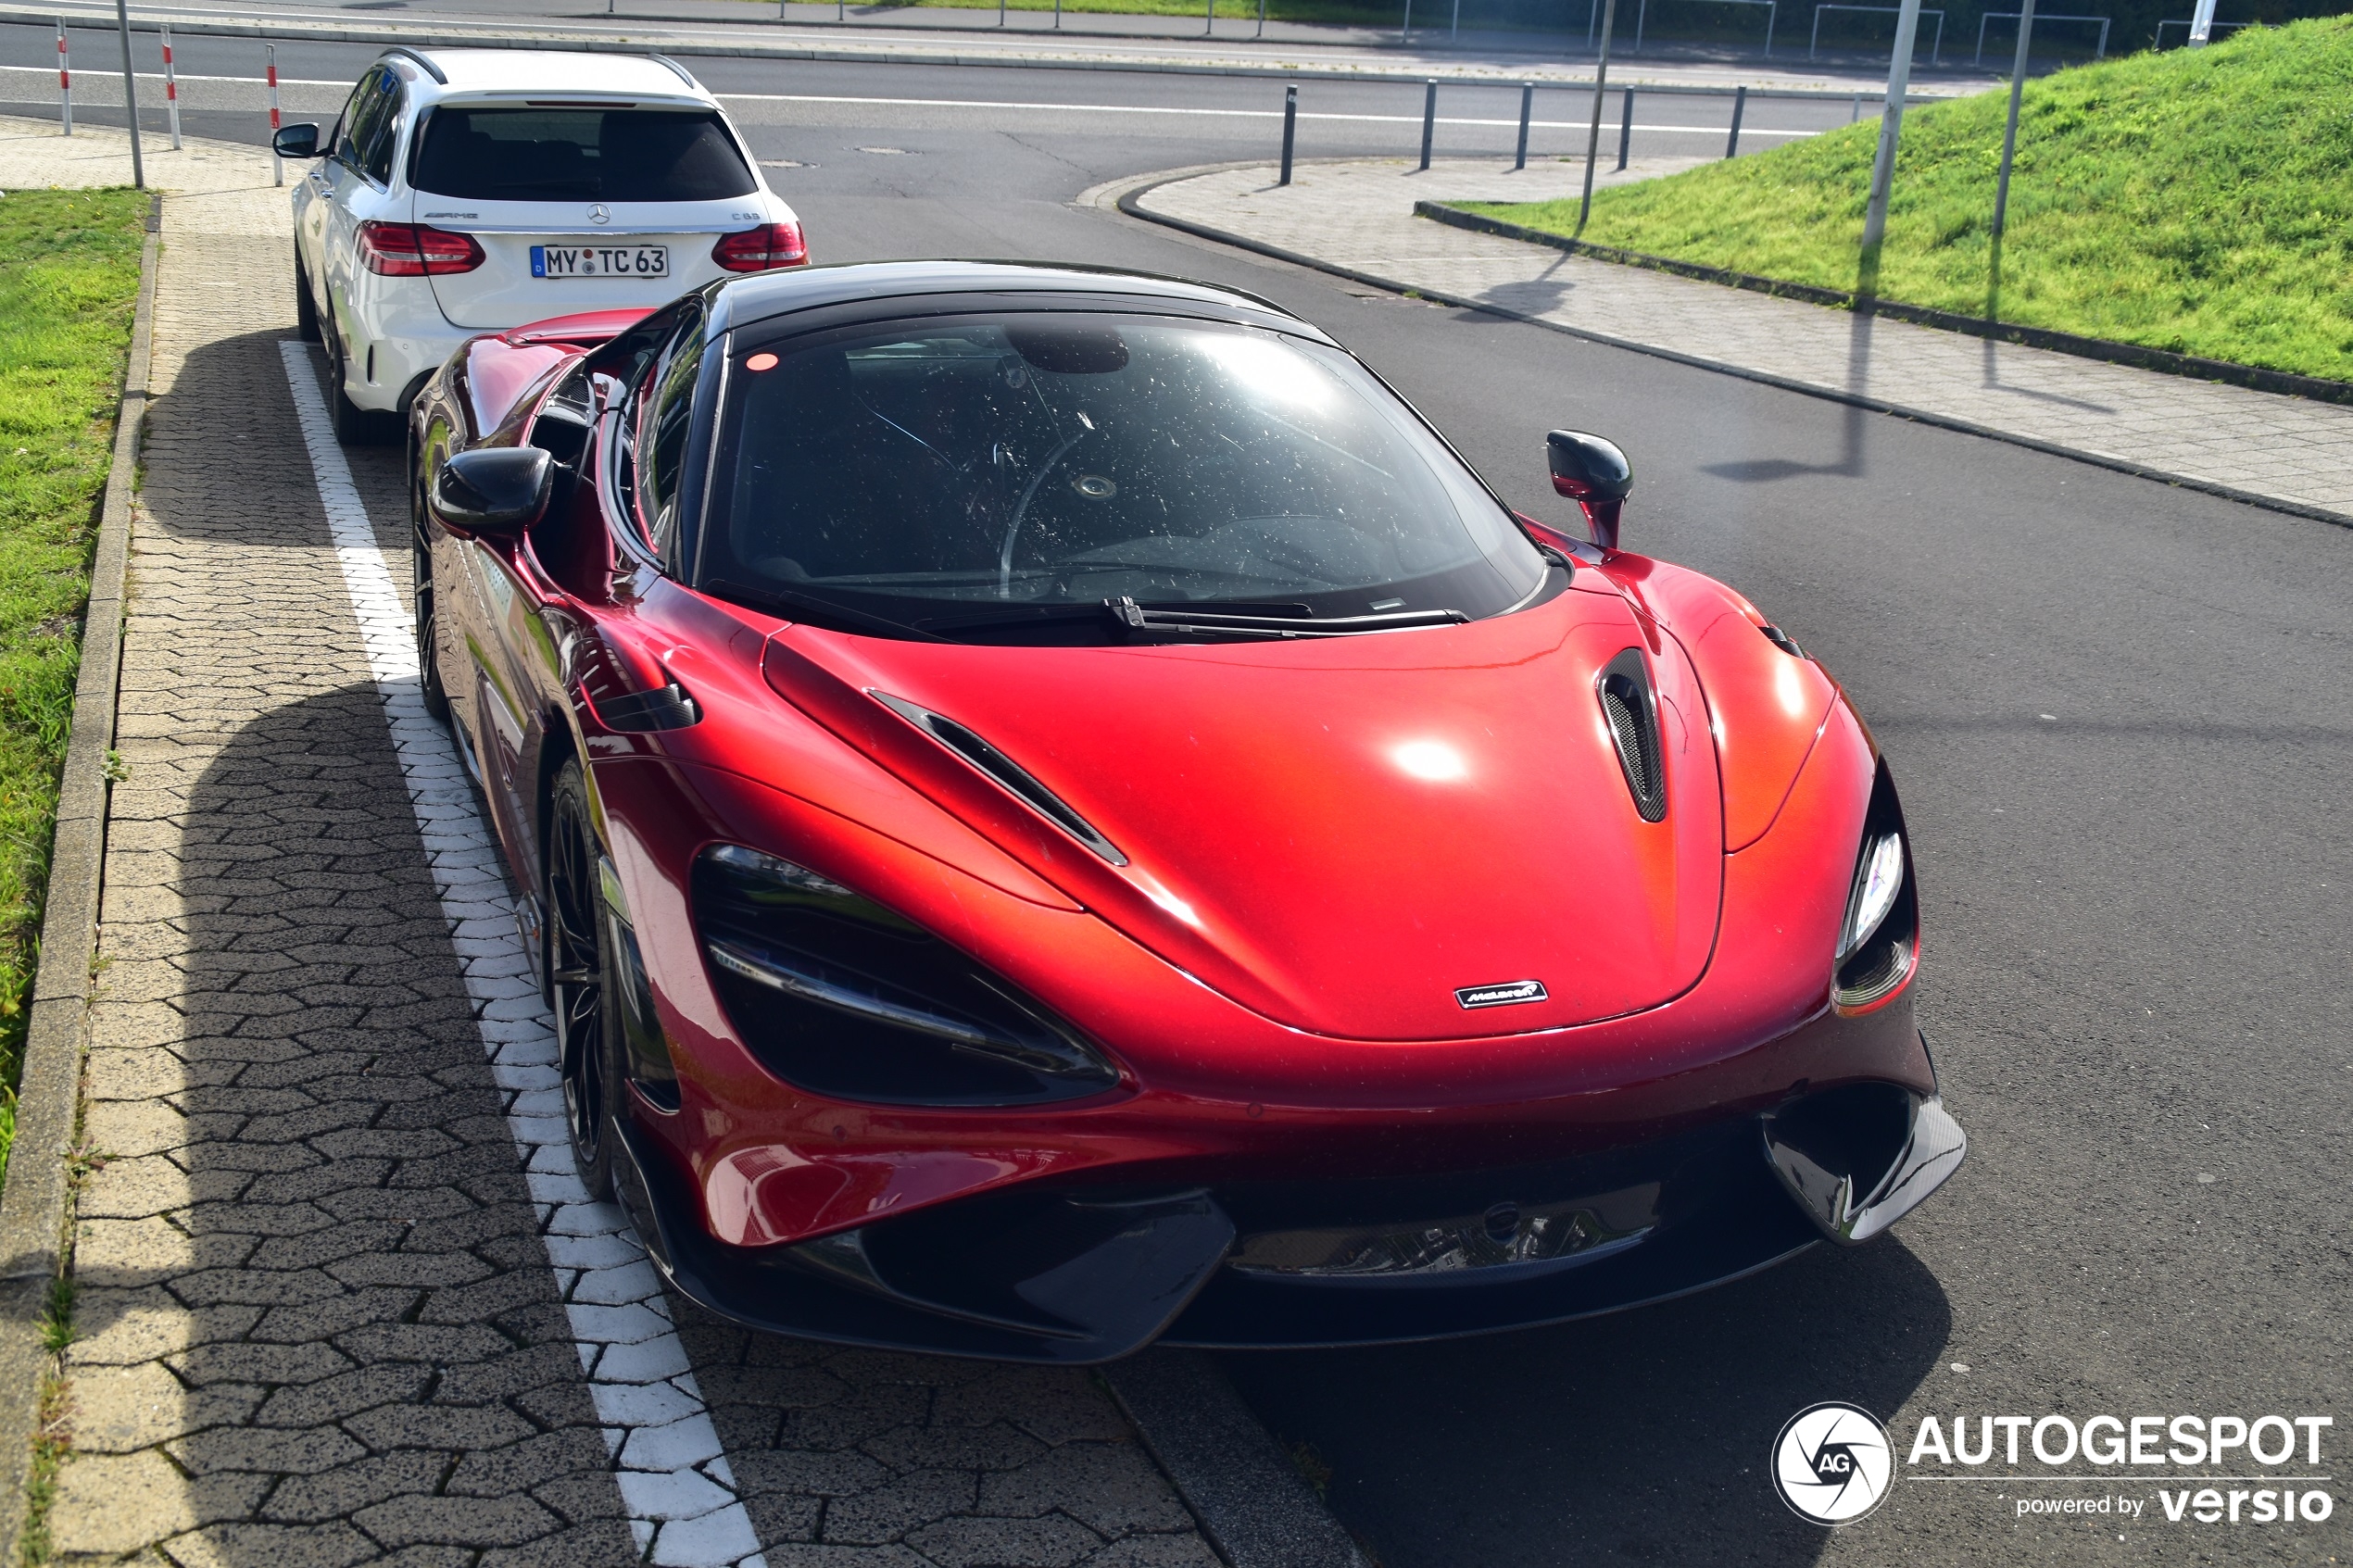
(1500, 995)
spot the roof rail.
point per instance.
(425, 62)
(684, 75)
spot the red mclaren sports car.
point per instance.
(1056, 813)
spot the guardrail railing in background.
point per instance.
(2098, 53)
(1739, 94)
(1642, 14)
(1935, 55)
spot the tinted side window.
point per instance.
(360, 117)
(383, 134)
(661, 444)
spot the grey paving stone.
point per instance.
(1049, 1542)
(345, 1490)
(1113, 1488)
(474, 1522)
(891, 1510)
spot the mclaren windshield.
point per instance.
(1083, 476)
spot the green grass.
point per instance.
(69, 281)
(2199, 201)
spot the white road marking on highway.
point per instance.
(671, 1468)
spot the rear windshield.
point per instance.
(904, 471)
(579, 155)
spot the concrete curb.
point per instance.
(622, 41)
(2254, 378)
(1129, 202)
(34, 1206)
(1252, 1503)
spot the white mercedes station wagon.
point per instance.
(465, 190)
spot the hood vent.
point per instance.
(1009, 774)
(1624, 688)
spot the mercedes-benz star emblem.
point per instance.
(599, 213)
(1832, 1464)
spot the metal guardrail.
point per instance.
(2100, 53)
(1935, 54)
(1642, 14)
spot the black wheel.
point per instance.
(585, 1029)
(429, 684)
(354, 426)
(306, 308)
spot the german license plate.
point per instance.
(600, 261)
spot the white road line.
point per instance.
(1034, 107)
(672, 1471)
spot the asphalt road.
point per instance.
(2123, 719)
(799, 104)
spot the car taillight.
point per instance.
(757, 250)
(413, 250)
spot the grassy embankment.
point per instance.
(69, 281)
(2199, 201)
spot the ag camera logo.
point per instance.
(1832, 1464)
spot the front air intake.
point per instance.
(1631, 713)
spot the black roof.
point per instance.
(771, 295)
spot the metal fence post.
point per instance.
(1262, 16)
(1429, 116)
(1739, 104)
(1455, 27)
(1642, 14)
(277, 164)
(64, 83)
(1593, 139)
(1891, 127)
(1626, 127)
(1527, 104)
(1208, 18)
(130, 94)
(1290, 126)
(2009, 132)
(1406, 28)
(171, 89)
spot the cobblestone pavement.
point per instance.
(1359, 215)
(338, 1301)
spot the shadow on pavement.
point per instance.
(1639, 1437)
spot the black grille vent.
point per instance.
(1011, 775)
(1632, 714)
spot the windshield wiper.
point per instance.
(815, 611)
(1141, 618)
(1126, 616)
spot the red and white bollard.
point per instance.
(170, 88)
(277, 164)
(65, 84)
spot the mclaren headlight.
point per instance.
(1879, 942)
(846, 998)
